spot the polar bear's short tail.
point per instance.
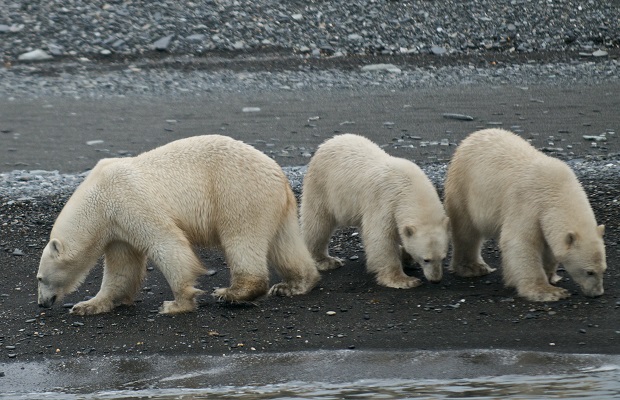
(290, 256)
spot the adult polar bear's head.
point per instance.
(58, 274)
(428, 246)
(584, 259)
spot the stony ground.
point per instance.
(170, 50)
(346, 311)
(89, 29)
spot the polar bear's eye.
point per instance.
(590, 273)
(427, 260)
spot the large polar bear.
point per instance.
(352, 182)
(499, 186)
(203, 190)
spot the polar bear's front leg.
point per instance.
(174, 256)
(123, 272)
(93, 306)
(523, 269)
(184, 301)
(383, 258)
(550, 265)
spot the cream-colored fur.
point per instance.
(203, 190)
(352, 182)
(499, 186)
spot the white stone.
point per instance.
(381, 67)
(35, 55)
(600, 53)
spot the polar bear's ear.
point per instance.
(571, 238)
(56, 247)
(409, 230)
(601, 230)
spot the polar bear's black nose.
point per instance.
(47, 303)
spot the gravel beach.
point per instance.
(116, 28)
(138, 54)
(94, 49)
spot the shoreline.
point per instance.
(243, 373)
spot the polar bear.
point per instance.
(352, 182)
(499, 186)
(205, 190)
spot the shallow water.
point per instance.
(482, 374)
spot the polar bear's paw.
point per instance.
(284, 289)
(329, 263)
(472, 270)
(177, 307)
(240, 293)
(398, 282)
(554, 278)
(91, 307)
(545, 293)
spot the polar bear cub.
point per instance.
(352, 182)
(203, 190)
(499, 186)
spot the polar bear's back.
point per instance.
(202, 184)
(352, 176)
(493, 170)
(501, 158)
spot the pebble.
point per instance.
(196, 37)
(381, 67)
(600, 53)
(250, 109)
(596, 138)
(163, 43)
(35, 55)
(438, 51)
(460, 117)
(331, 313)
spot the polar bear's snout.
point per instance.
(47, 302)
(433, 270)
(592, 287)
(47, 297)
